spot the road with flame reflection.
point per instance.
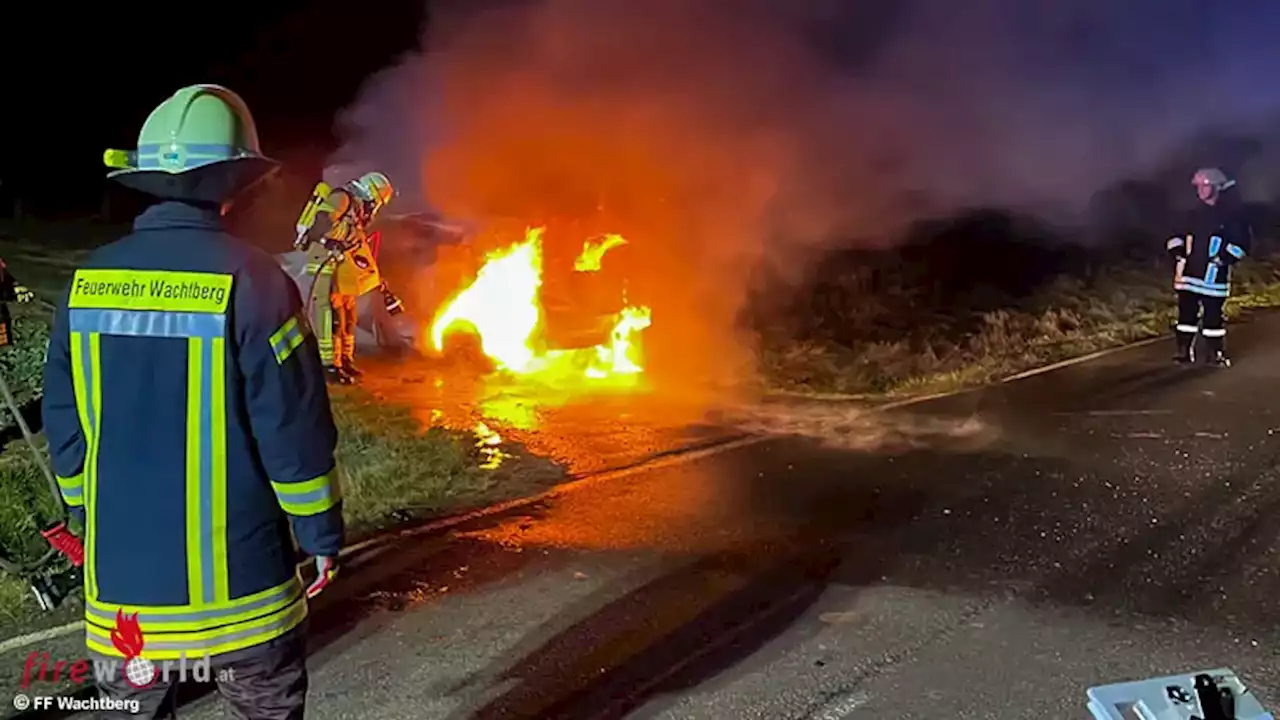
(585, 432)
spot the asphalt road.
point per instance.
(583, 435)
(989, 555)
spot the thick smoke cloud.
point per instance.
(707, 127)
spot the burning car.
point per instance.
(534, 312)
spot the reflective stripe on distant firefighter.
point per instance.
(310, 497)
(190, 307)
(1173, 243)
(72, 489)
(1202, 287)
(1235, 251)
(322, 322)
(287, 339)
(1215, 246)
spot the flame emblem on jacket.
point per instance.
(139, 672)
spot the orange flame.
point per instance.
(502, 307)
(127, 634)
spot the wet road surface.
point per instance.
(615, 426)
(989, 555)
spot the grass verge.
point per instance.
(393, 470)
(1066, 319)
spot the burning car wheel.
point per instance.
(461, 346)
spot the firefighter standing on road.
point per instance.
(333, 231)
(190, 428)
(1219, 237)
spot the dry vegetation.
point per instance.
(1066, 318)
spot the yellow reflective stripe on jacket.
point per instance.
(309, 497)
(287, 339)
(150, 290)
(194, 617)
(86, 368)
(215, 640)
(72, 489)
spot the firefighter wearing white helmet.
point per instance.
(190, 429)
(1219, 237)
(333, 231)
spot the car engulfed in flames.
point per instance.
(552, 322)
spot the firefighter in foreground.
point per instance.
(1219, 237)
(333, 231)
(190, 427)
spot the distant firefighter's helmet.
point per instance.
(1211, 178)
(374, 188)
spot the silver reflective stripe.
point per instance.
(208, 522)
(148, 323)
(154, 156)
(90, 382)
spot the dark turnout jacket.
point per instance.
(1216, 238)
(190, 428)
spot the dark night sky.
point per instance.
(97, 74)
(988, 102)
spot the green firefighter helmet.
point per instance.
(201, 144)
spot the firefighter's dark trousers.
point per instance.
(268, 682)
(1203, 314)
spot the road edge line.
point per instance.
(1083, 358)
(21, 641)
